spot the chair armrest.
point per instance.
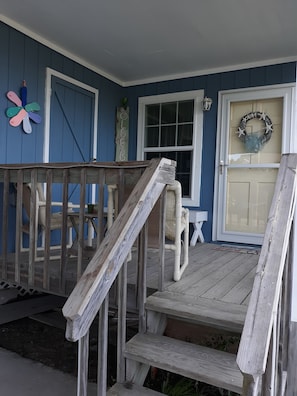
(60, 204)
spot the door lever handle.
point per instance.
(222, 164)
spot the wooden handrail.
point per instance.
(89, 293)
(74, 169)
(263, 305)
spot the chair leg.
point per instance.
(178, 268)
(70, 238)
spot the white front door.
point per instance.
(254, 130)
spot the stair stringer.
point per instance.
(136, 372)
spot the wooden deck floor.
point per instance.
(215, 272)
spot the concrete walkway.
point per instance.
(24, 377)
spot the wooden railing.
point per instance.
(40, 267)
(90, 295)
(263, 350)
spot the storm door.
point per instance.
(252, 139)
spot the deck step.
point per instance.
(129, 389)
(199, 310)
(200, 363)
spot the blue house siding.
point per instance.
(22, 58)
(212, 84)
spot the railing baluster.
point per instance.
(278, 358)
(102, 348)
(141, 278)
(101, 215)
(80, 237)
(121, 333)
(64, 231)
(20, 235)
(5, 209)
(47, 230)
(33, 236)
(250, 385)
(83, 359)
(268, 376)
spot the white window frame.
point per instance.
(196, 147)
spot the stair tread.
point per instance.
(130, 390)
(199, 310)
(200, 363)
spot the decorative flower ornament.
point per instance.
(254, 141)
(22, 112)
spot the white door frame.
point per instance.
(48, 91)
(286, 91)
(294, 275)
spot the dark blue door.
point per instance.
(71, 127)
(71, 123)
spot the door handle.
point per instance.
(222, 165)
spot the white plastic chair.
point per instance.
(41, 221)
(176, 224)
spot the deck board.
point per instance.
(215, 276)
(207, 272)
(239, 269)
(240, 292)
(214, 289)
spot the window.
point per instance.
(171, 126)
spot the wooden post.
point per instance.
(292, 361)
(83, 359)
(33, 236)
(5, 224)
(101, 218)
(64, 230)
(19, 228)
(102, 348)
(121, 331)
(141, 279)
(250, 386)
(80, 236)
(47, 231)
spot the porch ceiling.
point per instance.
(137, 41)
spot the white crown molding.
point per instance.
(204, 72)
(150, 80)
(57, 48)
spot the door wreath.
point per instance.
(254, 141)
